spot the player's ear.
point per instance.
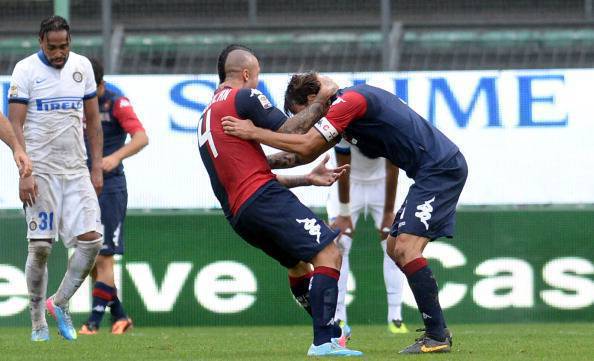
(245, 75)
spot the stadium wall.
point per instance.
(189, 268)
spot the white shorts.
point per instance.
(365, 198)
(67, 207)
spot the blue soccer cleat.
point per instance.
(345, 335)
(62, 317)
(331, 349)
(40, 335)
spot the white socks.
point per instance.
(79, 266)
(36, 275)
(394, 280)
(344, 244)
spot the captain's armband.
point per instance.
(326, 129)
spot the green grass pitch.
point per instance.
(534, 341)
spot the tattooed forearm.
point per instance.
(284, 160)
(300, 123)
(293, 181)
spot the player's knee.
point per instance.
(301, 269)
(328, 257)
(40, 248)
(344, 244)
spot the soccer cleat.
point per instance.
(426, 344)
(62, 317)
(88, 329)
(345, 335)
(331, 349)
(40, 335)
(396, 326)
(122, 325)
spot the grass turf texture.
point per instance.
(536, 341)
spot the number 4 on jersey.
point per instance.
(207, 135)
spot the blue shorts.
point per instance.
(430, 206)
(275, 221)
(113, 212)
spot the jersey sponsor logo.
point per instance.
(264, 101)
(310, 225)
(326, 129)
(424, 213)
(77, 76)
(64, 103)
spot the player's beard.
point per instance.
(61, 65)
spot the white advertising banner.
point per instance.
(528, 136)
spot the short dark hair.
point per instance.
(97, 70)
(299, 88)
(53, 23)
(223, 58)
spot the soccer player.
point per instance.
(258, 204)
(21, 159)
(382, 125)
(117, 120)
(49, 94)
(370, 187)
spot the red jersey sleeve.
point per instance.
(346, 108)
(124, 113)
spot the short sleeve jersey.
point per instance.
(118, 119)
(54, 98)
(382, 125)
(237, 168)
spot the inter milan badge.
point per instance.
(77, 76)
(32, 225)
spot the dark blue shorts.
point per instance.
(430, 206)
(275, 221)
(113, 211)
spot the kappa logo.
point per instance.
(310, 225)
(425, 316)
(424, 213)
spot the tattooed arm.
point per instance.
(300, 123)
(282, 160)
(94, 133)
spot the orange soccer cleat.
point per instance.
(121, 326)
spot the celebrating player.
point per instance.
(21, 159)
(49, 93)
(117, 120)
(258, 204)
(382, 125)
(370, 187)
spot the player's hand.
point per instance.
(28, 191)
(110, 163)
(387, 222)
(328, 87)
(97, 177)
(23, 163)
(322, 176)
(344, 224)
(241, 128)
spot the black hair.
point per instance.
(299, 88)
(97, 70)
(53, 23)
(223, 58)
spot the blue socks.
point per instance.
(424, 288)
(323, 295)
(102, 296)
